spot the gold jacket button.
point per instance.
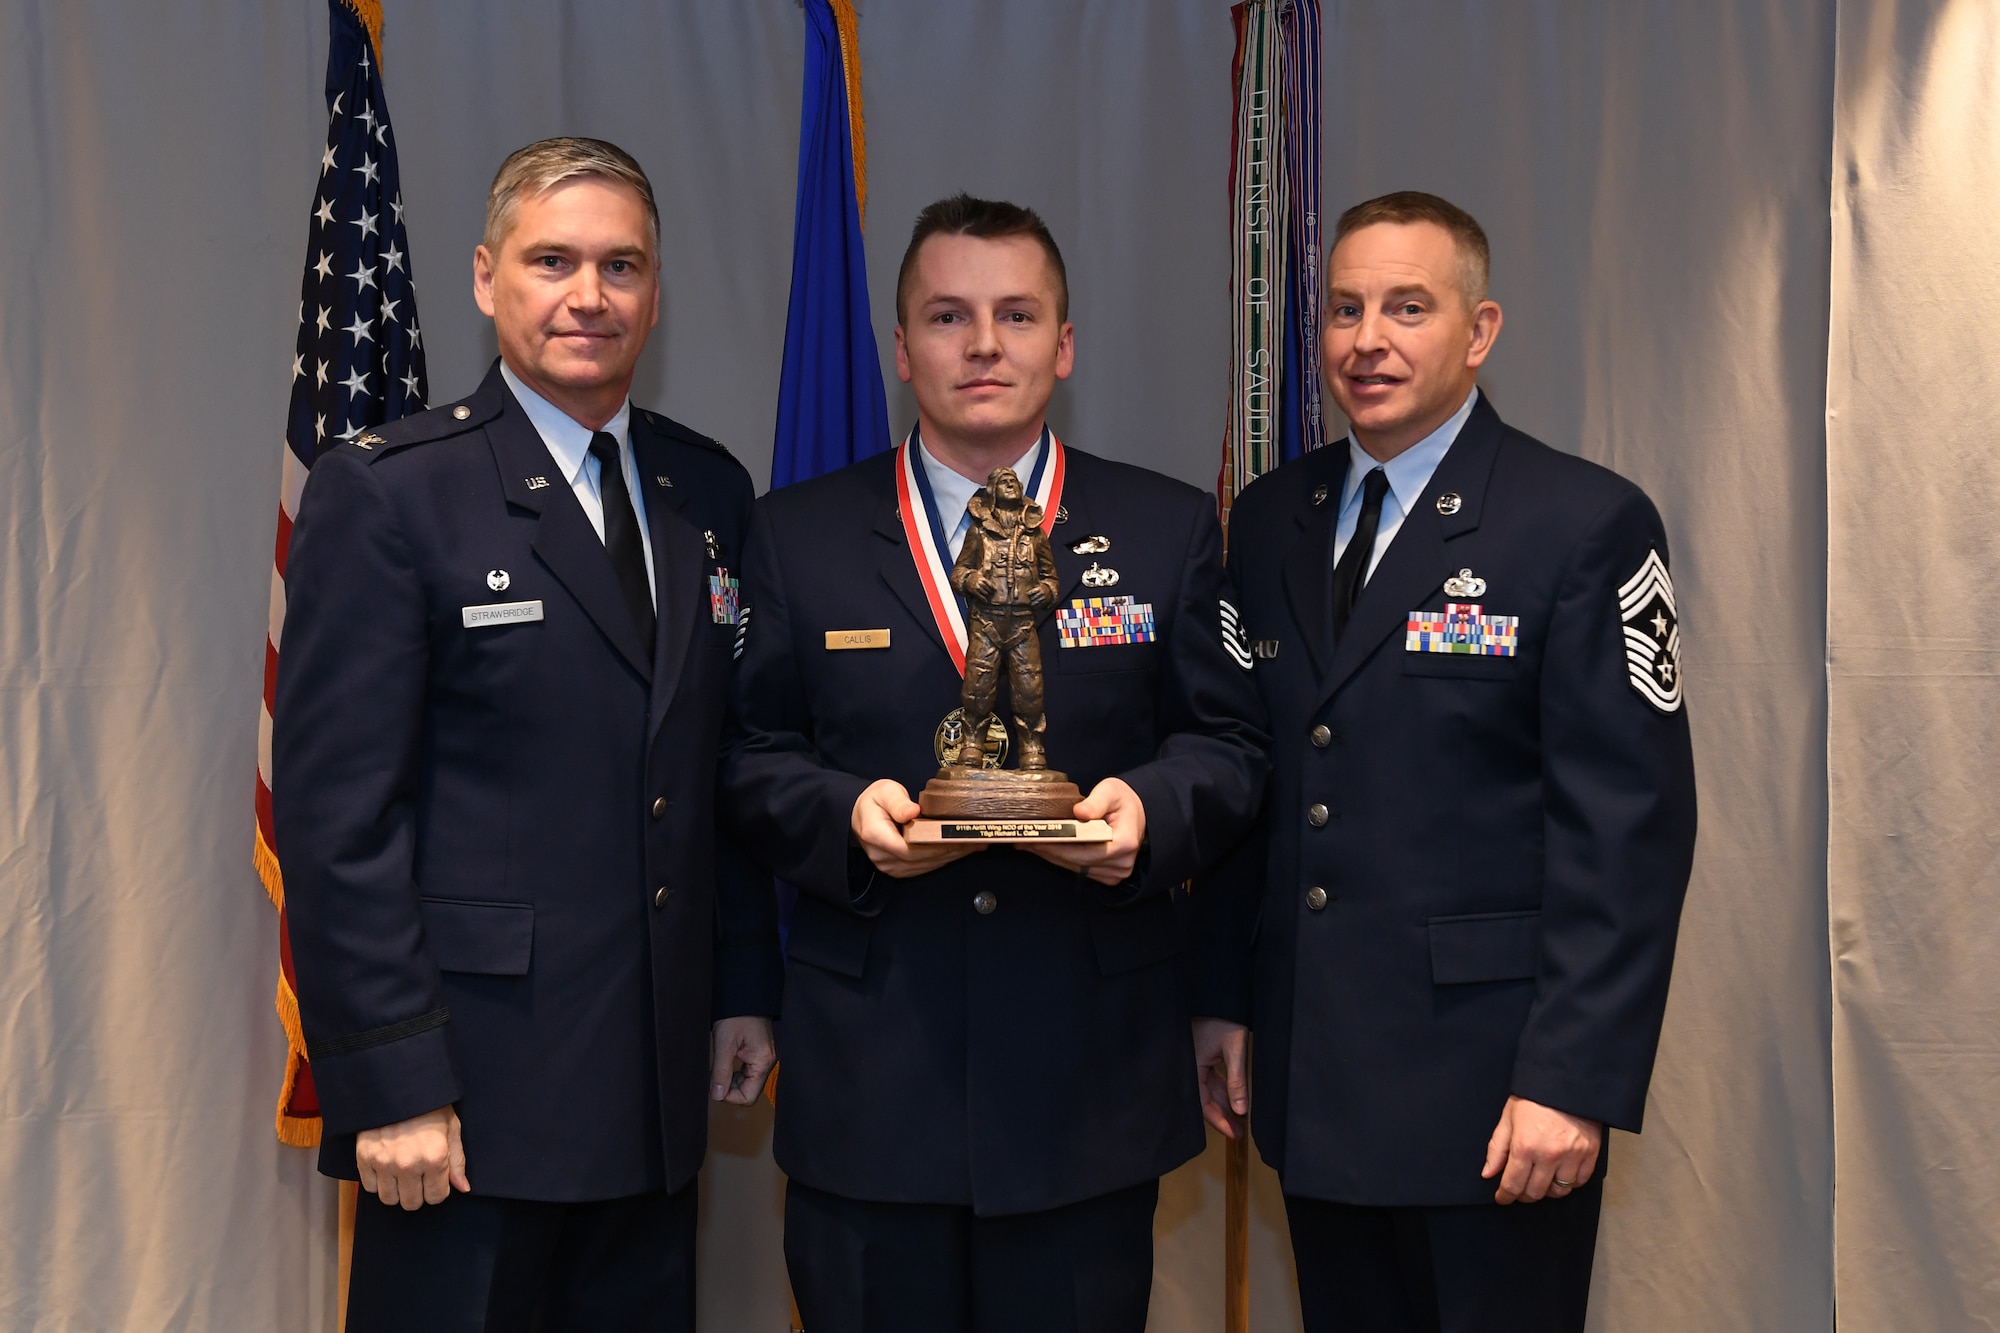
(1316, 815)
(661, 894)
(660, 807)
(1322, 736)
(461, 412)
(1316, 898)
(983, 902)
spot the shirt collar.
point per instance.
(955, 492)
(568, 440)
(1410, 471)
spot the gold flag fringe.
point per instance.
(370, 14)
(295, 1131)
(266, 862)
(848, 24)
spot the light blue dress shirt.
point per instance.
(568, 442)
(1409, 473)
(953, 492)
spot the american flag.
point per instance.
(359, 361)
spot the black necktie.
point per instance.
(1352, 570)
(621, 535)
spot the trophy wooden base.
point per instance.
(1003, 805)
(999, 793)
(1008, 830)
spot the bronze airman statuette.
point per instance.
(1007, 575)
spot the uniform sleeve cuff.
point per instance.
(386, 1083)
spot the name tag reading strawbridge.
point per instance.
(1009, 830)
(500, 613)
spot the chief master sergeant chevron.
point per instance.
(507, 654)
(988, 1062)
(1454, 938)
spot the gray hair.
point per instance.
(543, 165)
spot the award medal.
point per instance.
(929, 547)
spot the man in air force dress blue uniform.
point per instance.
(506, 663)
(987, 1056)
(1454, 936)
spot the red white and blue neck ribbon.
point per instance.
(930, 546)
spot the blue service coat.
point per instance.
(1505, 841)
(1040, 1054)
(503, 885)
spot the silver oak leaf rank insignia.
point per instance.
(1652, 634)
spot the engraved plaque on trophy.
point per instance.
(1007, 575)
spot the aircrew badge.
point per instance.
(725, 597)
(1652, 634)
(1090, 622)
(1465, 583)
(1462, 628)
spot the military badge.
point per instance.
(1462, 628)
(1235, 639)
(1465, 583)
(1652, 634)
(742, 633)
(1091, 622)
(725, 597)
(1098, 577)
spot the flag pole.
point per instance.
(1236, 1235)
(350, 1198)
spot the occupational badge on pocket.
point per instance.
(1652, 634)
(725, 597)
(1092, 622)
(1462, 628)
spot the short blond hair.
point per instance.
(543, 165)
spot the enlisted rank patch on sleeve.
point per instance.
(1092, 622)
(742, 631)
(1652, 634)
(1236, 639)
(1463, 628)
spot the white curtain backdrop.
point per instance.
(1913, 476)
(1802, 401)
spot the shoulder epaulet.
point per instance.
(675, 430)
(438, 423)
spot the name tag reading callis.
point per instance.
(501, 613)
(840, 640)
